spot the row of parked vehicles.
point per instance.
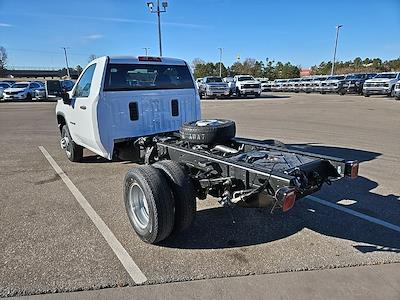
(387, 83)
(218, 87)
(11, 90)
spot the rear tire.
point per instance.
(73, 151)
(208, 131)
(183, 192)
(149, 203)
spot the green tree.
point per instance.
(92, 57)
(79, 69)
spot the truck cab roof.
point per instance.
(144, 60)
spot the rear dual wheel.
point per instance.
(159, 200)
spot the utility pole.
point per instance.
(66, 61)
(146, 49)
(220, 61)
(334, 52)
(158, 11)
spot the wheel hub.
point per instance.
(64, 142)
(138, 206)
(211, 122)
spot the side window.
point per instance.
(33, 85)
(83, 86)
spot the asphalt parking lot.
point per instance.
(49, 244)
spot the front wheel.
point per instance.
(73, 151)
(392, 92)
(28, 97)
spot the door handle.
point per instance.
(82, 107)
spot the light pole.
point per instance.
(158, 11)
(146, 49)
(334, 53)
(220, 61)
(66, 61)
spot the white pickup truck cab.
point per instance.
(246, 85)
(117, 100)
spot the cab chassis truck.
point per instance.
(147, 109)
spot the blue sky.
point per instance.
(301, 32)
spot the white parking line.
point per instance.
(355, 213)
(126, 260)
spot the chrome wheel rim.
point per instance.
(66, 144)
(210, 122)
(138, 206)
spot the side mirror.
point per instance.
(66, 99)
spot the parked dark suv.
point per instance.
(353, 83)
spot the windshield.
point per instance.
(20, 85)
(245, 78)
(336, 78)
(213, 79)
(4, 85)
(354, 76)
(387, 75)
(126, 77)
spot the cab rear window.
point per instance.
(127, 77)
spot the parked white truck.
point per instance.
(148, 109)
(117, 90)
(381, 84)
(246, 85)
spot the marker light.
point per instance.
(287, 197)
(149, 58)
(351, 168)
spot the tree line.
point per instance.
(358, 65)
(249, 66)
(274, 70)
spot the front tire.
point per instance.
(392, 92)
(28, 97)
(73, 151)
(149, 203)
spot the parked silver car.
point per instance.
(3, 86)
(21, 91)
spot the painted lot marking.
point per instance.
(355, 213)
(126, 260)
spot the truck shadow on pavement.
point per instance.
(217, 228)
